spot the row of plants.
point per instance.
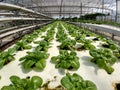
(80, 35)
(104, 57)
(33, 60)
(23, 44)
(62, 37)
(68, 59)
(100, 22)
(28, 83)
(68, 82)
(37, 59)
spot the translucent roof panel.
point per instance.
(70, 7)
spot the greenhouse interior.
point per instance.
(59, 44)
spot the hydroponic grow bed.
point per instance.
(52, 76)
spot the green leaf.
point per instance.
(66, 83)
(76, 82)
(76, 78)
(2, 63)
(28, 47)
(75, 64)
(11, 50)
(36, 82)
(54, 59)
(8, 88)
(15, 80)
(90, 85)
(21, 45)
(40, 65)
(28, 64)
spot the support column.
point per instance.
(60, 9)
(116, 11)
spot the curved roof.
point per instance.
(69, 7)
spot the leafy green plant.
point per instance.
(67, 44)
(81, 39)
(110, 44)
(117, 53)
(104, 58)
(66, 60)
(76, 82)
(21, 45)
(31, 37)
(50, 35)
(36, 60)
(48, 38)
(24, 84)
(28, 38)
(43, 46)
(61, 35)
(88, 46)
(7, 56)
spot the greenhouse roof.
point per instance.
(72, 7)
(68, 7)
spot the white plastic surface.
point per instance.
(88, 70)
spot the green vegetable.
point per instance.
(24, 84)
(76, 82)
(9, 88)
(36, 82)
(36, 59)
(28, 38)
(43, 46)
(61, 35)
(67, 44)
(7, 56)
(21, 45)
(66, 60)
(50, 35)
(117, 53)
(104, 58)
(88, 46)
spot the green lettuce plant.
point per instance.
(43, 46)
(28, 38)
(76, 82)
(36, 60)
(67, 44)
(7, 56)
(33, 83)
(66, 60)
(104, 58)
(22, 45)
(110, 44)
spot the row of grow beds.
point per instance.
(58, 57)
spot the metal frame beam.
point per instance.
(54, 6)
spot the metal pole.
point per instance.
(116, 10)
(102, 8)
(81, 8)
(60, 9)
